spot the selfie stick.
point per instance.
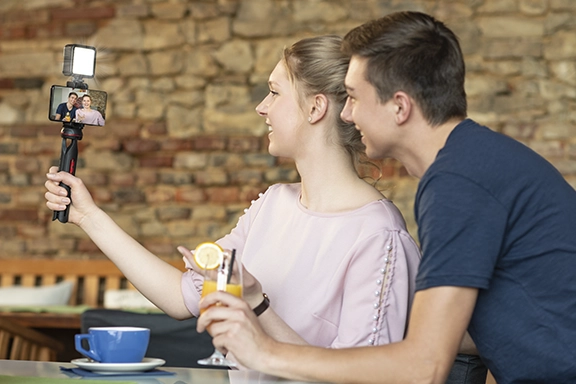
(71, 133)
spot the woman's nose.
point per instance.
(261, 108)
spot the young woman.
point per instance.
(331, 253)
(87, 115)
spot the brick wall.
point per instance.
(183, 152)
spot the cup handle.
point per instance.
(92, 354)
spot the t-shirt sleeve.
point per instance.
(60, 110)
(461, 227)
(378, 290)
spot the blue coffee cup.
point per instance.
(114, 344)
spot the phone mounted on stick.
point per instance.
(75, 106)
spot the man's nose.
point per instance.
(346, 115)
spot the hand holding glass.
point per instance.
(228, 279)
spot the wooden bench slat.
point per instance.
(4, 342)
(28, 280)
(91, 288)
(74, 296)
(112, 282)
(48, 279)
(8, 280)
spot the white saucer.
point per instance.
(146, 364)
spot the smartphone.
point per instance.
(85, 106)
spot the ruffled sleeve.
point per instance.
(378, 291)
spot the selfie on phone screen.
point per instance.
(84, 106)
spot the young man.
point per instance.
(67, 111)
(496, 225)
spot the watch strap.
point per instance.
(263, 306)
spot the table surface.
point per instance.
(183, 375)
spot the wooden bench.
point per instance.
(21, 343)
(91, 278)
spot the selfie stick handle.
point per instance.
(71, 133)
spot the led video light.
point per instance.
(79, 60)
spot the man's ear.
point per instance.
(403, 105)
(318, 109)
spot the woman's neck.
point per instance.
(330, 182)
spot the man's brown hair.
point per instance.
(417, 54)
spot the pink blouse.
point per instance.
(339, 279)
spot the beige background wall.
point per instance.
(183, 152)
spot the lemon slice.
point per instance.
(208, 255)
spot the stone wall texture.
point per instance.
(183, 152)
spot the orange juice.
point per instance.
(210, 286)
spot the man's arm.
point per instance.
(438, 322)
(58, 112)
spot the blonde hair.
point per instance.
(316, 65)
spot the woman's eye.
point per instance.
(273, 93)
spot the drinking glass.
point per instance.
(224, 278)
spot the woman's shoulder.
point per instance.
(283, 190)
(276, 192)
(384, 213)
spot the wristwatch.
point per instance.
(260, 308)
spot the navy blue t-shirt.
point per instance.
(493, 214)
(63, 108)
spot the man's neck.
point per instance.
(425, 143)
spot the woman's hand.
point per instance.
(235, 328)
(57, 199)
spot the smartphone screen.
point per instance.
(85, 106)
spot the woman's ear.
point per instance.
(318, 109)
